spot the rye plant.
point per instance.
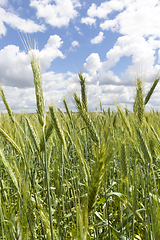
(79, 175)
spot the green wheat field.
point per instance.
(80, 175)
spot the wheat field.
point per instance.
(80, 175)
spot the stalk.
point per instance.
(48, 185)
(10, 114)
(42, 120)
(83, 91)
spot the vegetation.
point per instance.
(81, 175)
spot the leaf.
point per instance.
(149, 94)
(114, 194)
(68, 215)
(119, 235)
(12, 142)
(98, 215)
(102, 200)
(9, 169)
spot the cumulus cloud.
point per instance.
(88, 20)
(56, 87)
(58, 14)
(139, 41)
(3, 2)
(93, 63)
(140, 18)
(108, 77)
(14, 21)
(103, 10)
(139, 29)
(51, 51)
(98, 39)
(133, 17)
(74, 44)
(141, 51)
(140, 37)
(15, 65)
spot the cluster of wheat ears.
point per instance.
(82, 175)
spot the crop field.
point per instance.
(80, 176)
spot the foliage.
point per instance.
(83, 175)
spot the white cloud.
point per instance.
(3, 2)
(140, 18)
(142, 52)
(3, 29)
(88, 20)
(19, 99)
(103, 10)
(27, 26)
(58, 14)
(15, 65)
(108, 77)
(139, 41)
(74, 44)
(98, 39)
(51, 51)
(93, 63)
(138, 22)
(55, 88)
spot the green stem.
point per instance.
(48, 185)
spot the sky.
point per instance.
(110, 42)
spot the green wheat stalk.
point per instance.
(38, 87)
(12, 142)
(87, 120)
(6, 104)
(83, 91)
(138, 106)
(57, 126)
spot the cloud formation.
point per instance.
(88, 20)
(15, 64)
(58, 14)
(135, 22)
(140, 18)
(14, 21)
(98, 39)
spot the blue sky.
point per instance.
(110, 42)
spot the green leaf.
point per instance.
(9, 169)
(114, 194)
(119, 235)
(68, 215)
(102, 200)
(149, 94)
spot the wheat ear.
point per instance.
(83, 91)
(12, 142)
(57, 126)
(6, 104)
(38, 88)
(87, 120)
(97, 175)
(138, 107)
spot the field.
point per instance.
(82, 175)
